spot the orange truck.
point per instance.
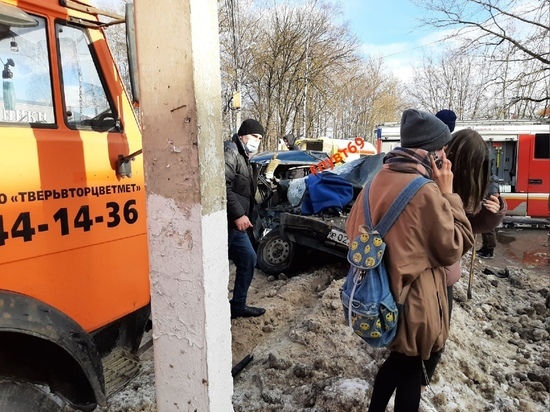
(74, 277)
(520, 158)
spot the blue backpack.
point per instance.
(373, 312)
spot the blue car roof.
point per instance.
(306, 157)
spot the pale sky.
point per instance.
(386, 28)
(390, 29)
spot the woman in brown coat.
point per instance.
(431, 233)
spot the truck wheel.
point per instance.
(275, 255)
(25, 397)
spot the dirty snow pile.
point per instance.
(305, 358)
(497, 357)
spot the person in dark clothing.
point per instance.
(290, 141)
(240, 182)
(489, 238)
(448, 117)
(489, 242)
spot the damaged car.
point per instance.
(298, 209)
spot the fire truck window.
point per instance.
(542, 146)
(26, 80)
(85, 99)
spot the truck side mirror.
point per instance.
(132, 51)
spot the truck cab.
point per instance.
(74, 284)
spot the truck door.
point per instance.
(534, 173)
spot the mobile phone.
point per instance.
(493, 190)
(437, 160)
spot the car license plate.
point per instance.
(338, 236)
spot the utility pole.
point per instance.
(234, 13)
(305, 85)
(179, 74)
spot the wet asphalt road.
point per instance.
(522, 246)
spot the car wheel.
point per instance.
(275, 255)
(18, 396)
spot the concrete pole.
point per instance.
(178, 61)
(238, 121)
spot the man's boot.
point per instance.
(485, 253)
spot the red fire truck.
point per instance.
(520, 158)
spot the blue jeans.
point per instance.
(243, 255)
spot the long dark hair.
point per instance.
(469, 155)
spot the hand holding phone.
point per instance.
(492, 203)
(442, 174)
(437, 160)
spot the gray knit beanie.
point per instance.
(421, 130)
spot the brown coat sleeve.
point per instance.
(484, 220)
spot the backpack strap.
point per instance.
(396, 207)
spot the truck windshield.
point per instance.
(84, 97)
(26, 81)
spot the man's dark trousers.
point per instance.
(489, 239)
(243, 255)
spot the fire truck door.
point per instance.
(538, 176)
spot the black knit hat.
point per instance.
(423, 130)
(251, 126)
(448, 117)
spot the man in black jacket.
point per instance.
(240, 184)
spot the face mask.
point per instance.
(252, 145)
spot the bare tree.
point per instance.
(520, 27)
(475, 87)
(364, 97)
(301, 72)
(454, 81)
(286, 55)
